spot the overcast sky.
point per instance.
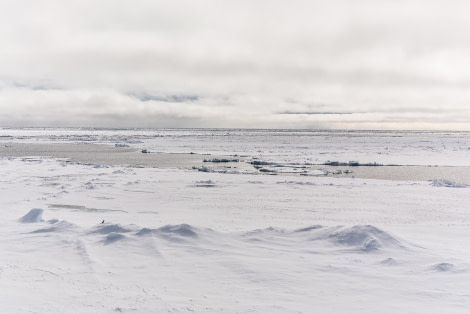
(352, 64)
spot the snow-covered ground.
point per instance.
(93, 238)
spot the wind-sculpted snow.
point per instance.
(365, 238)
(310, 228)
(113, 237)
(183, 230)
(359, 238)
(34, 215)
(109, 228)
(163, 260)
(61, 226)
(174, 233)
(444, 267)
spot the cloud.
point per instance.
(165, 98)
(235, 63)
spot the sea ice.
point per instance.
(448, 183)
(256, 243)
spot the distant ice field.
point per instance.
(390, 155)
(283, 146)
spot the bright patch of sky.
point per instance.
(259, 64)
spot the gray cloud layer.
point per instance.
(389, 64)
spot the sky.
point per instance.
(342, 64)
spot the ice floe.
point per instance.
(448, 184)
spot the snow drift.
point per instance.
(34, 215)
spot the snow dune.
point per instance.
(34, 215)
(111, 268)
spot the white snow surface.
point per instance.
(84, 238)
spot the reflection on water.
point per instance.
(404, 173)
(101, 154)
